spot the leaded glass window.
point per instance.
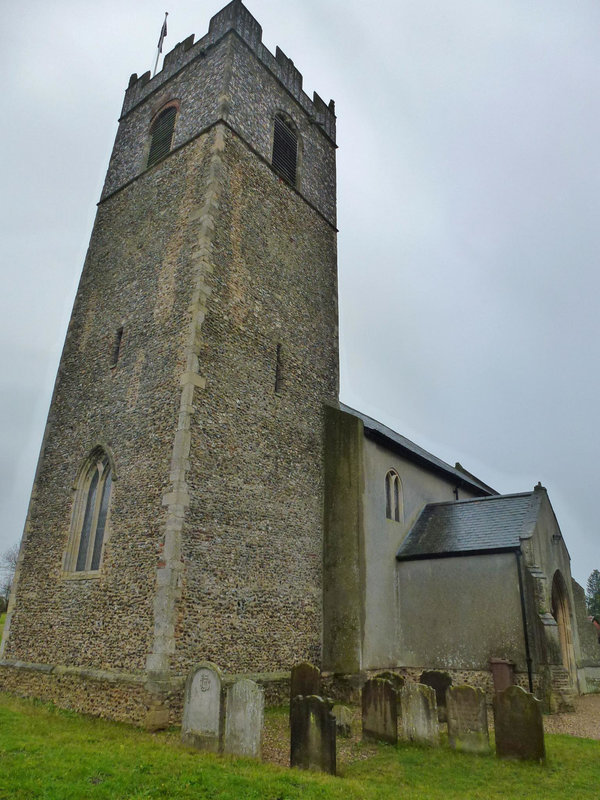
(90, 515)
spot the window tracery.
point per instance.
(90, 514)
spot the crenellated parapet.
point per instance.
(234, 17)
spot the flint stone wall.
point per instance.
(201, 90)
(253, 467)
(347, 688)
(116, 697)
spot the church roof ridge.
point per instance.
(378, 432)
(475, 526)
(496, 497)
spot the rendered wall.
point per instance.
(545, 553)
(458, 613)
(343, 546)
(383, 538)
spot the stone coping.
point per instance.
(60, 670)
(138, 678)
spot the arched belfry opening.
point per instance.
(561, 611)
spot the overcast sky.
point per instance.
(469, 208)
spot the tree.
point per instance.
(593, 594)
(8, 565)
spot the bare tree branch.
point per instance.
(8, 565)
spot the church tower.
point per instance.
(177, 510)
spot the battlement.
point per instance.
(234, 17)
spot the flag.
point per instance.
(163, 33)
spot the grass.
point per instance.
(2, 618)
(58, 755)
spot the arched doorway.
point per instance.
(562, 614)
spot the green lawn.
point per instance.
(2, 618)
(47, 753)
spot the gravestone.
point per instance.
(380, 711)
(312, 729)
(396, 680)
(244, 709)
(305, 679)
(202, 724)
(419, 714)
(343, 720)
(467, 719)
(518, 724)
(440, 682)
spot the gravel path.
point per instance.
(584, 721)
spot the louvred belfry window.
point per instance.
(285, 150)
(162, 135)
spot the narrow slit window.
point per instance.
(393, 496)
(285, 150)
(279, 369)
(388, 497)
(116, 347)
(162, 135)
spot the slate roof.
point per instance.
(471, 526)
(386, 436)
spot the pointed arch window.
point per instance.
(90, 515)
(285, 149)
(161, 132)
(393, 496)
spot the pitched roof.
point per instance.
(395, 441)
(471, 526)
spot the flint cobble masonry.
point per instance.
(211, 264)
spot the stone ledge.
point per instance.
(58, 670)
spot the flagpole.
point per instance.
(163, 33)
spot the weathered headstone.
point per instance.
(305, 680)
(396, 680)
(202, 725)
(419, 714)
(519, 726)
(244, 709)
(440, 682)
(467, 719)
(312, 728)
(343, 720)
(380, 711)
